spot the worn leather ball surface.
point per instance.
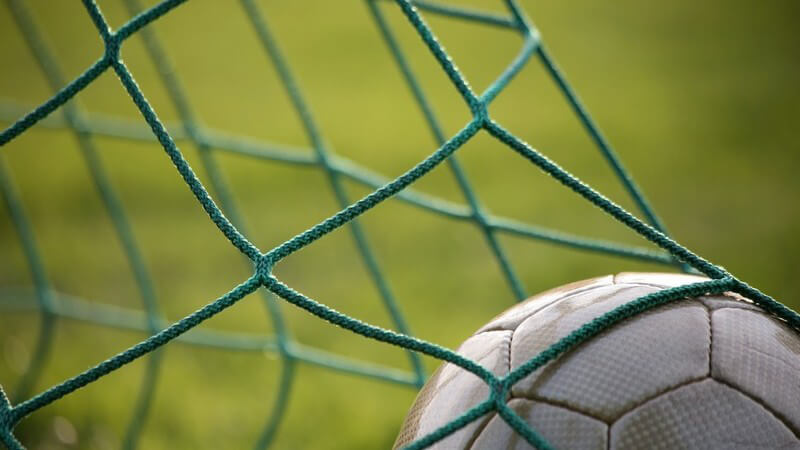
(711, 372)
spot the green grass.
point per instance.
(700, 100)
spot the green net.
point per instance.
(53, 306)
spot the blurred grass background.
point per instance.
(700, 99)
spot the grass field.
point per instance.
(700, 99)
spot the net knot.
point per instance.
(532, 34)
(480, 113)
(499, 392)
(264, 265)
(113, 44)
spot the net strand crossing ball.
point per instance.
(713, 372)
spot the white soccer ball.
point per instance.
(704, 373)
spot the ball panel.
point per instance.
(701, 415)
(512, 317)
(760, 356)
(452, 391)
(660, 280)
(729, 300)
(621, 367)
(561, 427)
(654, 365)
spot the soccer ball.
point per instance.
(707, 372)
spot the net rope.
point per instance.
(53, 306)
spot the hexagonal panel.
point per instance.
(561, 428)
(760, 356)
(621, 367)
(701, 415)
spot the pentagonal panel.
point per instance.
(701, 415)
(512, 317)
(758, 355)
(452, 391)
(622, 366)
(561, 428)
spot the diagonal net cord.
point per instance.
(264, 262)
(44, 298)
(519, 22)
(476, 210)
(125, 129)
(191, 128)
(220, 186)
(212, 138)
(323, 158)
(115, 210)
(75, 308)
